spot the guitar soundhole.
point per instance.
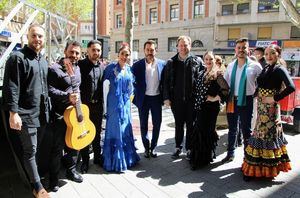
(80, 118)
(83, 135)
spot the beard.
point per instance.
(37, 47)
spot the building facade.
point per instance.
(164, 21)
(212, 25)
(262, 21)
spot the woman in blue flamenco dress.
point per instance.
(119, 151)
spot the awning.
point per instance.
(224, 51)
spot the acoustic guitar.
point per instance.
(80, 129)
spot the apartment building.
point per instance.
(163, 21)
(85, 30)
(262, 21)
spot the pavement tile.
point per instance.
(164, 177)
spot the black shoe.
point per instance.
(227, 159)
(53, 185)
(84, 167)
(193, 167)
(74, 175)
(246, 178)
(99, 160)
(153, 153)
(147, 154)
(176, 154)
(54, 188)
(188, 155)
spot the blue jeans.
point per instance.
(153, 104)
(245, 114)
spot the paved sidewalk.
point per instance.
(164, 177)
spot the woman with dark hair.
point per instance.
(210, 89)
(266, 154)
(119, 152)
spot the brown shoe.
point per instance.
(41, 194)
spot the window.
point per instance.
(174, 12)
(172, 42)
(118, 20)
(136, 18)
(197, 43)
(227, 10)
(234, 33)
(135, 46)
(295, 32)
(264, 33)
(153, 15)
(268, 5)
(243, 8)
(155, 40)
(198, 9)
(118, 45)
(119, 2)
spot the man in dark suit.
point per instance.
(147, 96)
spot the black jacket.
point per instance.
(179, 77)
(25, 86)
(61, 85)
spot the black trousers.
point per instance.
(96, 115)
(69, 159)
(183, 112)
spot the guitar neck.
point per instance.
(74, 84)
(75, 88)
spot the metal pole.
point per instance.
(95, 19)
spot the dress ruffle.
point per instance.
(122, 154)
(266, 154)
(204, 137)
(265, 162)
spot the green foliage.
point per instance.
(7, 5)
(71, 9)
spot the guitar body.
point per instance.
(78, 134)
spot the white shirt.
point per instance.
(152, 80)
(252, 71)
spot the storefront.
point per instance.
(252, 45)
(255, 43)
(291, 54)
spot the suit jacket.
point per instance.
(139, 71)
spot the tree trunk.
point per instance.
(129, 25)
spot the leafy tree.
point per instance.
(71, 9)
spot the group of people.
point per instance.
(37, 95)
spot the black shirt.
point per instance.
(25, 84)
(91, 82)
(272, 78)
(60, 86)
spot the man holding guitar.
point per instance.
(91, 93)
(61, 91)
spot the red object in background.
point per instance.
(291, 101)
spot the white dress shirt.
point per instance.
(252, 71)
(152, 80)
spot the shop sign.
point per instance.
(255, 43)
(291, 55)
(5, 33)
(266, 43)
(84, 43)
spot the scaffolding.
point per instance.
(58, 30)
